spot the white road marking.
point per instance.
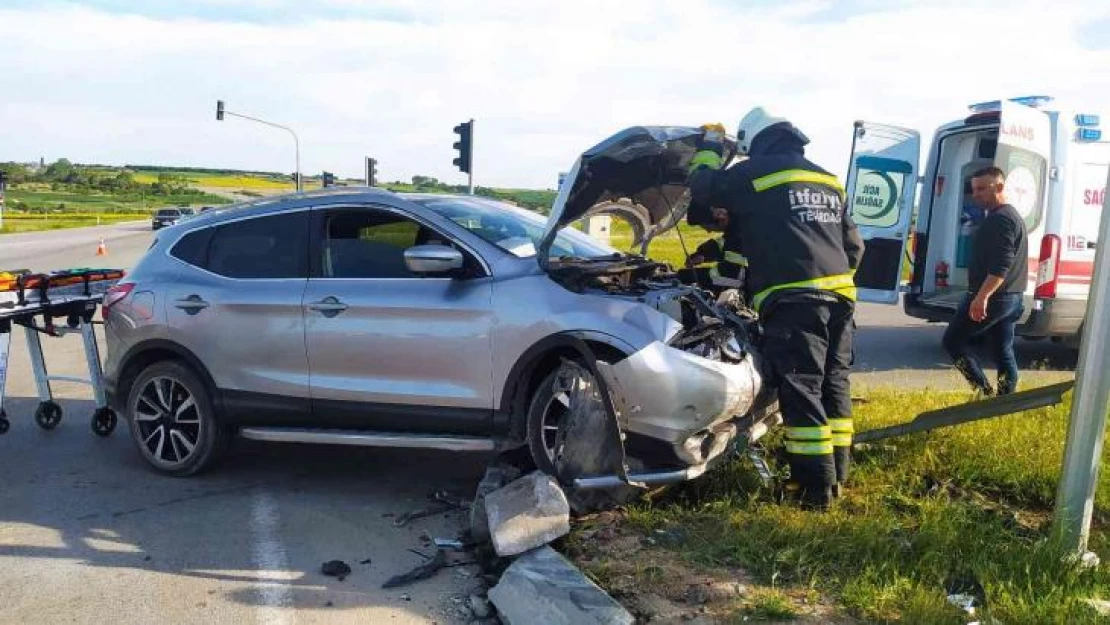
(271, 561)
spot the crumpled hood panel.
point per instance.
(638, 174)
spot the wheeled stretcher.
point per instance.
(34, 301)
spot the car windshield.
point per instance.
(515, 230)
(168, 212)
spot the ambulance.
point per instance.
(1056, 163)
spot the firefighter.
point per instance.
(789, 220)
(730, 265)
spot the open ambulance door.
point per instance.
(882, 185)
(1024, 149)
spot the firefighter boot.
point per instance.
(808, 496)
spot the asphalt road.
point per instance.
(88, 534)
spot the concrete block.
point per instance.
(527, 513)
(541, 586)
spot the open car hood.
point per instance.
(638, 174)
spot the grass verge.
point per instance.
(966, 509)
(36, 223)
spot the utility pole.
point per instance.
(220, 112)
(1075, 495)
(3, 188)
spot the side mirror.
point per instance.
(433, 259)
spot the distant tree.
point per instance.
(14, 173)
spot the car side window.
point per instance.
(371, 243)
(270, 247)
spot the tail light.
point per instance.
(115, 295)
(1048, 267)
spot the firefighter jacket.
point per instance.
(792, 222)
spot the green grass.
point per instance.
(38, 199)
(670, 247)
(971, 502)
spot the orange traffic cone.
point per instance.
(101, 250)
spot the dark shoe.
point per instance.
(809, 497)
(838, 490)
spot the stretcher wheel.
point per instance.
(48, 415)
(104, 421)
(4, 423)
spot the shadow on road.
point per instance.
(93, 502)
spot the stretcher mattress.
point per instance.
(23, 288)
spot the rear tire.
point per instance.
(172, 420)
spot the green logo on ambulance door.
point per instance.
(875, 202)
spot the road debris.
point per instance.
(480, 607)
(423, 571)
(336, 568)
(542, 581)
(527, 513)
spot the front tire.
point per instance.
(172, 420)
(545, 429)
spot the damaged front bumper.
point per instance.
(697, 407)
(687, 401)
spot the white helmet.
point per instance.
(756, 121)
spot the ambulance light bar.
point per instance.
(1035, 101)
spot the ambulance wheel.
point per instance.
(104, 421)
(48, 415)
(4, 423)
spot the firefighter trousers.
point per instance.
(809, 347)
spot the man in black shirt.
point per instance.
(997, 277)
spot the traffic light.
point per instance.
(219, 110)
(371, 172)
(329, 179)
(464, 145)
(295, 181)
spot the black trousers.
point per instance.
(808, 344)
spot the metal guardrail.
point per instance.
(974, 411)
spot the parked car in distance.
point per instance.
(165, 217)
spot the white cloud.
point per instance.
(544, 80)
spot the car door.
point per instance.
(882, 185)
(237, 305)
(389, 349)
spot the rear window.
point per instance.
(275, 246)
(193, 247)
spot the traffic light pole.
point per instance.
(221, 111)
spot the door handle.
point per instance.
(329, 306)
(192, 304)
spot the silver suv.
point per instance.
(360, 316)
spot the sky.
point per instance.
(118, 82)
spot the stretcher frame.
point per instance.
(78, 312)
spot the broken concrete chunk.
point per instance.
(496, 476)
(527, 513)
(543, 582)
(479, 607)
(1099, 606)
